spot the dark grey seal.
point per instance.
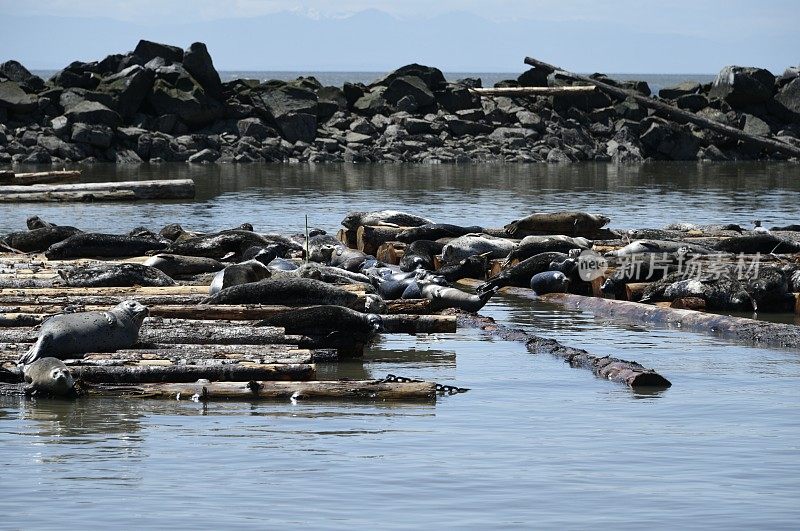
(90, 245)
(70, 334)
(443, 297)
(435, 231)
(38, 239)
(532, 245)
(236, 274)
(549, 282)
(114, 275)
(476, 244)
(757, 243)
(521, 273)
(287, 291)
(176, 265)
(392, 218)
(420, 255)
(48, 377)
(325, 319)
(571, 223)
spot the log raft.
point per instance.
(110, 191)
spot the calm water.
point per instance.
(533, 444)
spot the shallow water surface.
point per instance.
(534, 443)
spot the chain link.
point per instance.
(440, 388)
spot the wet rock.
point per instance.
(205, 155)
(670, 141)
(681, 89)
(254, 127)
(74, 77)
(176, 92)
(755, 126)
(432, 77)
(329, 101)
(456, 98)
(534, 77)
(293, 109)
(357, 138)
(630, 110)
(36, 156)
(353, 92)
(92, 134)
(60, 126)
(623, 153)
(417, 126)
(197, 61)
(149, 50)
(15, 71)
(788, 100)
(363, 126)
(129, 88)
(14, 99)
(741, 86)
(459, 127)
(372, 103)
(126, 156)
(530, 120)
(407, 104)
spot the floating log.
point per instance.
(67, 197)
(192, 373)
(166, 189)
(369, 238)
(675, 113)
(9, 300)
(419, 324)
(391, 252)
(40, 177)
(617, 370)
(635, 290)
(739, 329)
(358, 390)
(409, 306)
(530, 91)
(132, 292)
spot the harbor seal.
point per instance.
(176, 265)
(90, 244)
(564, 222)
(35, 222)
(325, 319)
(532, 245)
(442, 297)
(658, 246)
(48, 377)
(520, 274)
(472, 267)
(66, 335)
(241, 273)
(757, 243)
(435, 231)
(348, 259)
(220, 245)
(38, 239)
(549, 282)
(285, 290)
(420, 255)
(468, 245)
(114, 275)
(389, 218)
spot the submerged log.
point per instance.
(369, 238)
(617, 370)
(530, 91)
(192, 373)
(41, 177)
(739, 329)
(166, 189)
(263, 390)
(675, 113)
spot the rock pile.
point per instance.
(160, 103)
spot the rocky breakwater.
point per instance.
(161, 103)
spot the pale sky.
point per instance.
(466, 35)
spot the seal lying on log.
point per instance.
(714, 228)
(435, 231)
(476, 244)
(658, 246)
(564, 222)
(67, 335)
(48, 377)
(549, 282)
(532, 245)
(443, 297)
(236, 274)
(420, 255)
(176, 265)
(393, 218)
(348, 259)
(219, 245)
(38, 239)
(520, 274)
(326, 319)
(89, 244)
(757, 243)
(288, 291)
(175, 232)
(472, 267)
(329, 274)
(35, 222)
(321, 247)
(114, 275)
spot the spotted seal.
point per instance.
(435, 231)
(757, 243)
(442, 297)
(325, 319)
(39, 238)
(420, 255)
(176, 265)
(549, 282)
(71, 334)
(521, 273)
(236, 274)
(222, 244)
(563, 222)
(658, 246)
(114, 275)
(532, 245)
(285, 290)
(391, 218)
(90, 244)
(476, 244)
(48, 377)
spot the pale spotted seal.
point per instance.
(48, 377)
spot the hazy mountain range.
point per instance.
(375, 41)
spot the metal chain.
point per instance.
(440, 388)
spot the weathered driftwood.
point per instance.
(10, 299)
(419, 324)
(191, 373)
(530, 91)
(39, 177)
(166, 189)
(391, 252)
(675, 113)
(635, 290)
(409, 306)
(264, 390)
(348, 237)
(369, 238)
(67, 197)
(734, 328)
(357, 390)
(617, 370)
